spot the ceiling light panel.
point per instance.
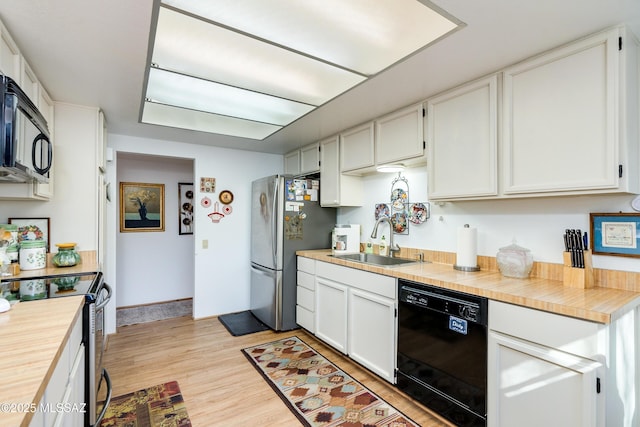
(166, 115)
(198, 48)
(366, 36)
(204, 95)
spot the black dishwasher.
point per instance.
(442, 351)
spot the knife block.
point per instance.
(581, 278)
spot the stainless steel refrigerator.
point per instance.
(285, 217)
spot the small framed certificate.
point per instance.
(615, 234)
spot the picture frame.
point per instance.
(141, 207)
(33, 229)
(185, 207)
(615, 234)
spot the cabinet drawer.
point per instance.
(306, 319)
(306, 280)
(306, 298)
(579, 337)
(367, 281)
(307, 265)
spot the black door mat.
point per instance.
(242, 323)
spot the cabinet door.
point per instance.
(531, 385)
(9, 55)
(29, 81)
(336, 189)
(331, 313)
(292, 163)
(356, 148)
(462, 126)
(309, 159)
(372, 332)
(559, 118)
(330, 172)
(400, 135)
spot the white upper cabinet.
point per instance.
(309, 159)
(337, 189)
(29, 82)
(302, 161)
(9, 55)
(462, 126)
(357, 148)
(292, 163)
(570, 119)
(400, 137)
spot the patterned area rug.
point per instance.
(320, 394)
(158, 406)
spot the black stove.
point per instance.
(43, 287)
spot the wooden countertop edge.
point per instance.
(601, 305)
(33, 391)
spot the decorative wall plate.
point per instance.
(205, 202)
(418, 213)
(382, 209)
(226, 197)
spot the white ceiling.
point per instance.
(94, 53)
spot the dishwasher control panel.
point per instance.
(465, 306)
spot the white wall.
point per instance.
(154, 266)
(535, 223)
(221, 272)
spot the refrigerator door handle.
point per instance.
(274, 224)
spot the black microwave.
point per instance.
(26, 152)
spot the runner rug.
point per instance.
(318, 393)
(157, 406)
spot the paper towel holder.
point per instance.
(466, 267)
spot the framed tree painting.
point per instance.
(185, 208)
(141, 207)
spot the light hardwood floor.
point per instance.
(218, 384)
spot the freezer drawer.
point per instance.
(266, 296)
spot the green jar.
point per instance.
(66, 255)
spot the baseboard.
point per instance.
(145, 313)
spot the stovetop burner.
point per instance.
(37, 288)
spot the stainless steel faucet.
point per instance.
(393, 248)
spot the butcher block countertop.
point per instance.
(87, 265)
(32, 337)
(598, 304)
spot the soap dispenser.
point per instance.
(382, 246)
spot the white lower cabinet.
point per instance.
(536, 385)
(331, 313)
(306, 294)
(63, 402)
(544, 369)
(356, 314)
(371, 327)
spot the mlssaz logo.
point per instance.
(458, 325)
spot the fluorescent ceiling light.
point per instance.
(266, 63)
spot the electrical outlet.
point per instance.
(205, 244)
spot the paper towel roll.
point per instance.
(467, 255)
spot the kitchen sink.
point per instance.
(374, 259)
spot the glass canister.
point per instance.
(515, 261)
(66, 255)
(33, 254)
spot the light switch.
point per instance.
(205, 244)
